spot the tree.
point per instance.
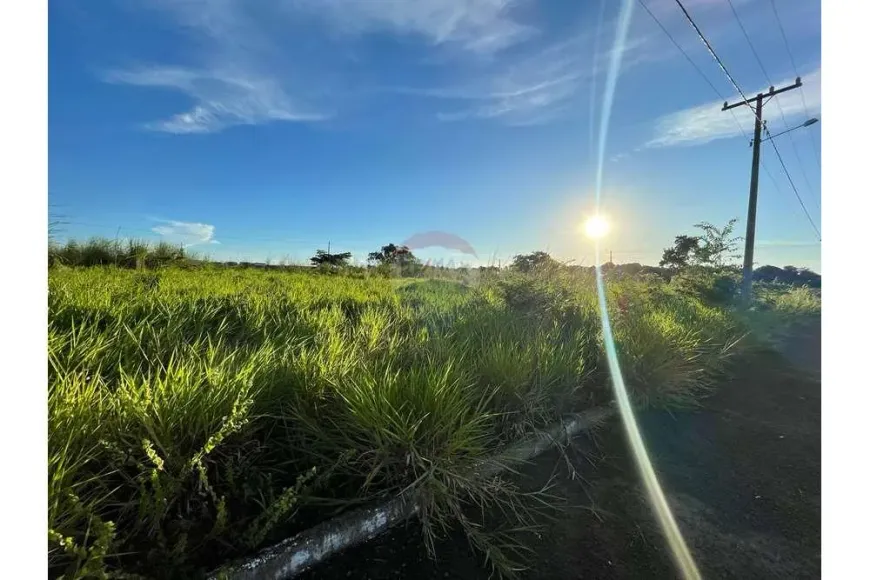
(632, 269)
(321, 258)
(712, 248)
(392, 257)
(393, 254)
(717, 245)
(534, 261)
(682, 251)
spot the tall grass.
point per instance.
(130, 253)
(196, 415)
(779, 311)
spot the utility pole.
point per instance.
(748, 252)
(611, 256)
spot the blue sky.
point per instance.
(254, 130)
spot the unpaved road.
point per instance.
(743, 476)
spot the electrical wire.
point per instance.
(794, 67)
(770, 83)
(749, 42)
(682, 51)
(742, 94)
(710, 84)
(694, 65)
(713, 53)
(794, 189)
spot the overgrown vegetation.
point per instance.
(788, 275)
(136, 254)
(196, 415)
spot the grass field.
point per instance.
(197, 415)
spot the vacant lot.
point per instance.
(197, 415)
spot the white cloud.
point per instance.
(257, 65)
(619, 157)
(535, 88)
(530, 105)
(479, 26)
(304, 60)
(186, 233)
(222, 98)
(708, 122)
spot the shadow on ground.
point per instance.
(743, 476)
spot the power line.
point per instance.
(749, 42)
(710, 84)
(794, 67)
(756, 149)
(712, 52)
(755, 112)
(794, 189)
(685, 54)
(770, 83)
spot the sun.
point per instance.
(596, 227)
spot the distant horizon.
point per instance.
(428, 255)
(257, 131)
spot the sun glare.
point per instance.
(596, 227)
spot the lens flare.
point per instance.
(679, 550)
(596, 227)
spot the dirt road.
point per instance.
(743, 476)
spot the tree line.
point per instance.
(708, 255)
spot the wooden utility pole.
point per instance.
(756, 104)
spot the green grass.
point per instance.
(131, 253)
(195, 416)
(780, 311)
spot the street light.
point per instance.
(806, 123)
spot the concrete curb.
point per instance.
(295, 555)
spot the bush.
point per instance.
(720, 286)
(800, 301)
(779, 311)
(672, 348)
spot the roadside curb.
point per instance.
(291, 557)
